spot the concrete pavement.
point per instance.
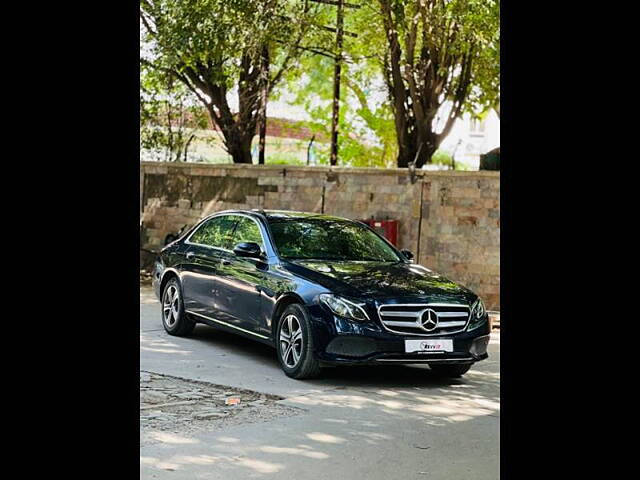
(382, 422)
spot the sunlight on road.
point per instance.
(166, 437)
(160, 345)
(452, 403)
(259, 465)
(178, 461)
(294, 451)
(325, 438)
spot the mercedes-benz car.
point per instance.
(322, 290)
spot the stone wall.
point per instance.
(450, 220)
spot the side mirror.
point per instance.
(408, 254)
(247, 249)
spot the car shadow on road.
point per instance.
(362, 376)
(235, 344)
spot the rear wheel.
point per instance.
(451, 370)
(174, 318)
(295, 344)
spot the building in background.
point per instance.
(470, 138)
(289, 136)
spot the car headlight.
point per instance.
(477, 309)
(343, 307)
(478, 314)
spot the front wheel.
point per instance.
(295, 344)
(451, 370)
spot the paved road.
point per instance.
(369, 423)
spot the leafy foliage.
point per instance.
(247, 230)
(216, 47)
(169, 118)
(435, 61)
(441, 58)
(367, 136)
(216, 232)
(413, 69)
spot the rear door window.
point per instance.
(216, 232)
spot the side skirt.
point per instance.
(227, 327)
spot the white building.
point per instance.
(470, 138)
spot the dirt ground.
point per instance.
(172, 406)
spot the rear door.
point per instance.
(203, 253)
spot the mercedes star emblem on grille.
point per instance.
(428, 321)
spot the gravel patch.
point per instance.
(173, 406)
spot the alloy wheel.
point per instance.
(291, 341)
(171, 306)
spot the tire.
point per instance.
(451, 370)
(174, 318)
(297, 362)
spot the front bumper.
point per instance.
(343, 342)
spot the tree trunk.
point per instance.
(237, 140)
(422, 74)
(404, 156)
(407, 153)
(429, 142)
(264, 92)
(240, 149)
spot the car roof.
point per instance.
(281, 215)
(288, 214)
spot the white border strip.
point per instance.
(227, 324)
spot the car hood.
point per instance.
(401, 281)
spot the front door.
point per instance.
(241, 279)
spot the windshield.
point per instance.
(321, 239)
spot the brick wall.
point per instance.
(450, 220)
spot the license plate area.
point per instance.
(440, 345)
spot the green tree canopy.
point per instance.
(436, 59)
(441, 58)
(431, 61)
(169, 117)
(217, 48)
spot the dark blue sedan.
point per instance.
(322, 290)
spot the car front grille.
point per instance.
(407, 319)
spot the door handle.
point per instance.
(190, 255)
